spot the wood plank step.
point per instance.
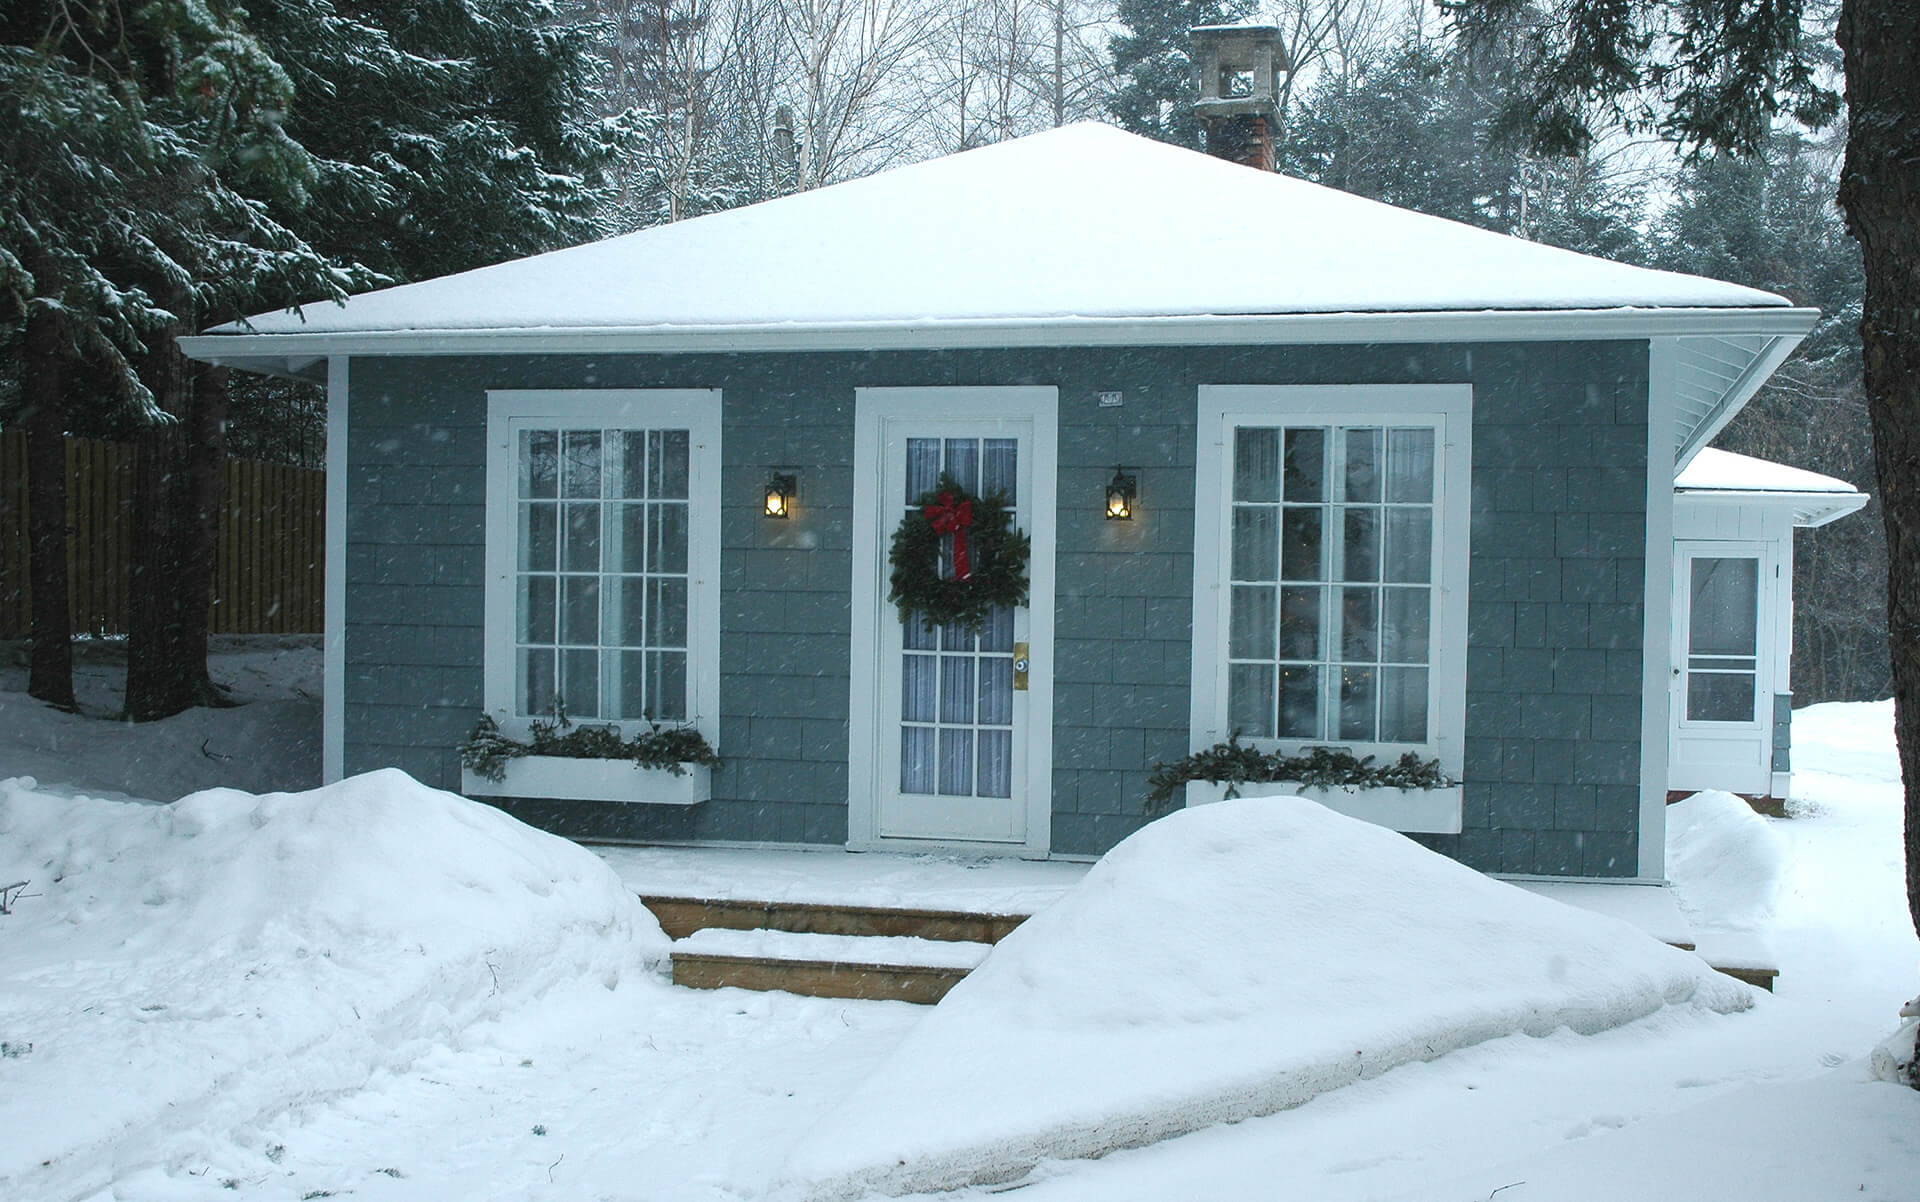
(681, 916)
(897, 951)
(811, 978)
(1742, 955)
(1752, 974)
(870, 968)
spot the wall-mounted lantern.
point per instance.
(782, 490)
(1122, 490)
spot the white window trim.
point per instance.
(1450, 407)
(696, 409)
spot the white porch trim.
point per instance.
(1656, 639)
(333, 654)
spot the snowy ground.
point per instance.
(269, 740)
(546, 1061)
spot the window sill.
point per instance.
(563, 778)
(1414, 811)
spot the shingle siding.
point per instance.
(1554, 597)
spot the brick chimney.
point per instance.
(1237, 75)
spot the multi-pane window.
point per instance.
(956, 688)
(601, 573)
(1332, 604)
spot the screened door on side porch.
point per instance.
(954, 742)
(1721, 700)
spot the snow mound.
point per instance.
(1726, 862)
(1852, 740)
(241, 954)
(1895, 1058)
(1229, 961)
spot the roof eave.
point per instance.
(1811, 509)
(296, 352)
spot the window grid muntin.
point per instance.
(1316, 490)
(956, 689)
(596, 556)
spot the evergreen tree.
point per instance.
(1151, 59)
(165, 174)
(112, 119)
(1719, 76)
(1417, 129)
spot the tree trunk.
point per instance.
(1880, 191)
(176, 487)
(50, 675)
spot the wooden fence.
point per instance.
(271, 549)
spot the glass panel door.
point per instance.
(1723, 638)
(953, 766)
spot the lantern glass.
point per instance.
(1121, 491)
(780, 494)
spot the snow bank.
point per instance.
(1726, 862)
(1229, 961)
(235, 955)
(1852, 740)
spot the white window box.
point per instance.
(1420, 811)
(571, 779)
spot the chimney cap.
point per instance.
(1241, 38)
(1224, 55)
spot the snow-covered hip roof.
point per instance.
(1813, 498)
(1075, 223)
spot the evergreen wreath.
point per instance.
(989, 558)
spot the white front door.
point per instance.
(1721, 705)
(951, 728)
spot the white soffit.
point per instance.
(1812, 499)
(1715, 376)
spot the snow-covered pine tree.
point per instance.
(164, 172)
(410, 140)
(80, 147)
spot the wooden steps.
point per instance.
(1742, 956)
(875, 953)
(681, 916)
(885, 953)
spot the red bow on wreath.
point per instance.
(948, 518)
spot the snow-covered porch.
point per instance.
(833, 923)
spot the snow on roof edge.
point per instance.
(1388, 326)
(1007, 231)
(1714, 470)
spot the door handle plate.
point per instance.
(1021, 663)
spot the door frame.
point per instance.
(874, 408)
(1757, 734)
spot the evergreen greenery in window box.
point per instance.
(589, 763)
(1316, 771)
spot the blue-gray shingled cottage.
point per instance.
(1401, 485)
